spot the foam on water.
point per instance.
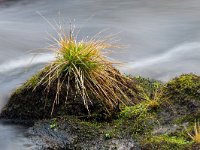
(25, 62)
(179, 52)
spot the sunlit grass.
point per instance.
(196, 136)
(82, 67)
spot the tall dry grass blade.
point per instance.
(81, 67)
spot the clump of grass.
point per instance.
(196, 136)
(150, 91)
(83, 68)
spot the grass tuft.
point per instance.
(196, 136)
(81, 67)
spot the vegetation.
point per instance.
(196, 136)
(158, 116)
(83, 67)
(53, 123)
(183, 88)
(82, 81)
(147, 121)
(150, 91)
(164, 142)
(141, 116)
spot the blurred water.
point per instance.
(12, 138)
(161, 37)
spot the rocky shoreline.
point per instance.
(161, 122)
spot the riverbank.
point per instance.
(163, 119)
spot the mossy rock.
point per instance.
(181, 98)
(178, 105)
(75, 134)
(183, 88)
(36, 102)
(165, 142)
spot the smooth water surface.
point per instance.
(161, 38)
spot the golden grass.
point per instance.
(196, 136)
(83, 67)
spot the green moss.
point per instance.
(148, 87)
(165, 142)
(32, 82)
(180, 99)
(140, 117)
(183, 88)
(140, 120)
(150, 91)
(91, 124)
(137, 111)
(188, 118)
(53, 123)
(109, 134)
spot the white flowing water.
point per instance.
(161, 38)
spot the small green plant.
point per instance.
(53, 123)
(196, 136)
(150, 91)
(107, 136)
(143, 114)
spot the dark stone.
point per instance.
(73, 136)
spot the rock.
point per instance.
(135, 127)
(181, 99)
(166, 129)
(72, 136)
(37, 102)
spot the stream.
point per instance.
(161, 40)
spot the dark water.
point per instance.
(162, 39)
